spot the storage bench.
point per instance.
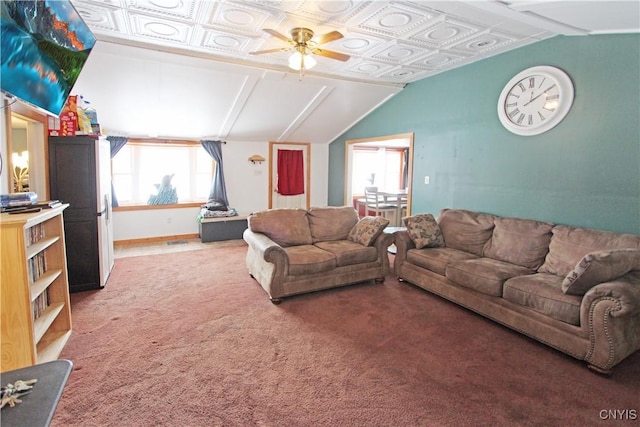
(223, 228)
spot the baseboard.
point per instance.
(155, 239)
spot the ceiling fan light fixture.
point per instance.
(301, 61)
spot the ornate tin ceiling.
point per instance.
(394, 42)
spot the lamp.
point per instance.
(301, 60)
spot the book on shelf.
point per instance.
(47, 204)
(40, 304)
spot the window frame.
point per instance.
(159, 142)
(399, 151)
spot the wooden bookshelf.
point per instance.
(34, 292)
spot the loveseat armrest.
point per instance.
(266, 261)
(611, 312)
(403, 243)
(382, 243)
(260, 242)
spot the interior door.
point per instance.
(278, 200)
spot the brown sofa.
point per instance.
(295, 251)
(574, 289)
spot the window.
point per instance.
(140, 166)
(380, 167)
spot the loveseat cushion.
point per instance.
(348, 252)
(570, 244)
(522, 242)
(465, 230)
(367, 230)
(424, 231)
(286, 227)
(542, 292)
(485, 275)
(309, 259)
(331, 223)
(599, 267)
(436, 259)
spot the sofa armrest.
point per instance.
(611, 312)
(403, 243)
(625, 291)
(382, 243)
(267, 262)
(260, 242)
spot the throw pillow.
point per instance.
(367, 230)
(599, 267)
(424, 231)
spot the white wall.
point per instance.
(247, 191)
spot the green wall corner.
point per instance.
(583, 172)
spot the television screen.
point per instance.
(44, 46)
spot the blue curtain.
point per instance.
(116, 142)
(218, 188)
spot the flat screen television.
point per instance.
(44, 46)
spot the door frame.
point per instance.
(348, 164)
(307, 178)
(37, 137)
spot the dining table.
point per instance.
(398, 198)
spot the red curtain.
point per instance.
(290, 172)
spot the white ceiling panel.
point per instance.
(190, 63)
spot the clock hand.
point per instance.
(533, 99)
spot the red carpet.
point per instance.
(189, 339)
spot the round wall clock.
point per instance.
(535, 100)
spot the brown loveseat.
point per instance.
(295, 251)
(574, 289)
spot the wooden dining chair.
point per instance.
(375, 203)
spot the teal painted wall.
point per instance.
(583, 172)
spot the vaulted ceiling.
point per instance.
(257, 97)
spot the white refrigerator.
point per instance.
(104, 209)
(80, 174)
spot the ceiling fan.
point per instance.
(304, 43)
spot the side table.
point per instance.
(37, 408)
(390, 230)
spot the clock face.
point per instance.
(535, 100)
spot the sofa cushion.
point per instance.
(485, 275)
(465, 230)
(599, 267)
(424, 231)
(436, 259)
(331, 223)
(348, 252)
(309, 259)
(367, 230)
(570, 244)
(542, 292)
(523, 242)
(286, 227)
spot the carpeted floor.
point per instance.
(189, 339)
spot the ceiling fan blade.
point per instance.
(331, 54)
(274, 33)
(328, 37)
(262, 52)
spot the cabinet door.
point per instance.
(72, 179)
(83, 265)
(72, 175)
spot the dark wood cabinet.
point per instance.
(72, 180)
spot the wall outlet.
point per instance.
(426, 179)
